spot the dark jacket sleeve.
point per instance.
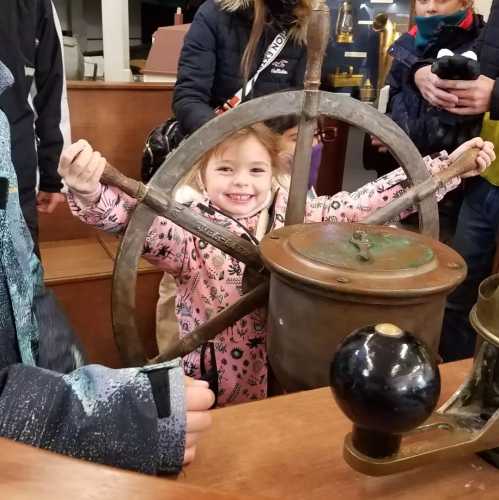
(395, 82)
(96, 413)
(398, 108)
(487, 48)
(494, 101)
(196, 71)
(407, 108)
(48, 101)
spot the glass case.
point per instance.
(363, 30)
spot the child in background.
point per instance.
(238, 179)
(287, 129)
(439, 24)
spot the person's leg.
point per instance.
(448, 213)
(475, 240)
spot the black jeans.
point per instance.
(475, 240)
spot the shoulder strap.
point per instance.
(273, 50)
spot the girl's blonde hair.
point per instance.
(266, 137)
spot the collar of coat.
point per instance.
(465, 24)
(298, 31)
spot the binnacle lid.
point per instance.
(359, 258)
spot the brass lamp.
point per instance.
(344, 23)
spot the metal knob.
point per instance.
(361, 240)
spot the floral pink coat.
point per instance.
(209, 280)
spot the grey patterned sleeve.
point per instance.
(95, 413)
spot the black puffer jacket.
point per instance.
(209, 66)
(488, 49)
(408, 108)
(30, 47)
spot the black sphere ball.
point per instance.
(385, 380)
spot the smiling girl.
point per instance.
(237, 179)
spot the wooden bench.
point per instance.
(79, 272)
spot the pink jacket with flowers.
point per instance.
(209, 280)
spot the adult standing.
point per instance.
(478, 223)
(225, 46)
(36, 106)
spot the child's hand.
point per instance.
(485, 157)
(81, 168)
(199, 398)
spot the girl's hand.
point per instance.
(199, 399)
(485, 157)
(81, 168)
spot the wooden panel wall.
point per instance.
(115, 119)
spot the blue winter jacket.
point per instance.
(46, 398)
(210, 61)
(406, 105)
(488, 49)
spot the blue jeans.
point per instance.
(475, 240)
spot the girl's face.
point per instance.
(428, 8)
(239, 179)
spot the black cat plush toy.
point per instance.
(450, 66)
(448, 130)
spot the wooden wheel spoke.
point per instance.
(407, 200)
(425, 189)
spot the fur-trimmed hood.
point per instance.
(298, 31)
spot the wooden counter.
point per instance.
(27, 473)
(290, 447)
(287, 447)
